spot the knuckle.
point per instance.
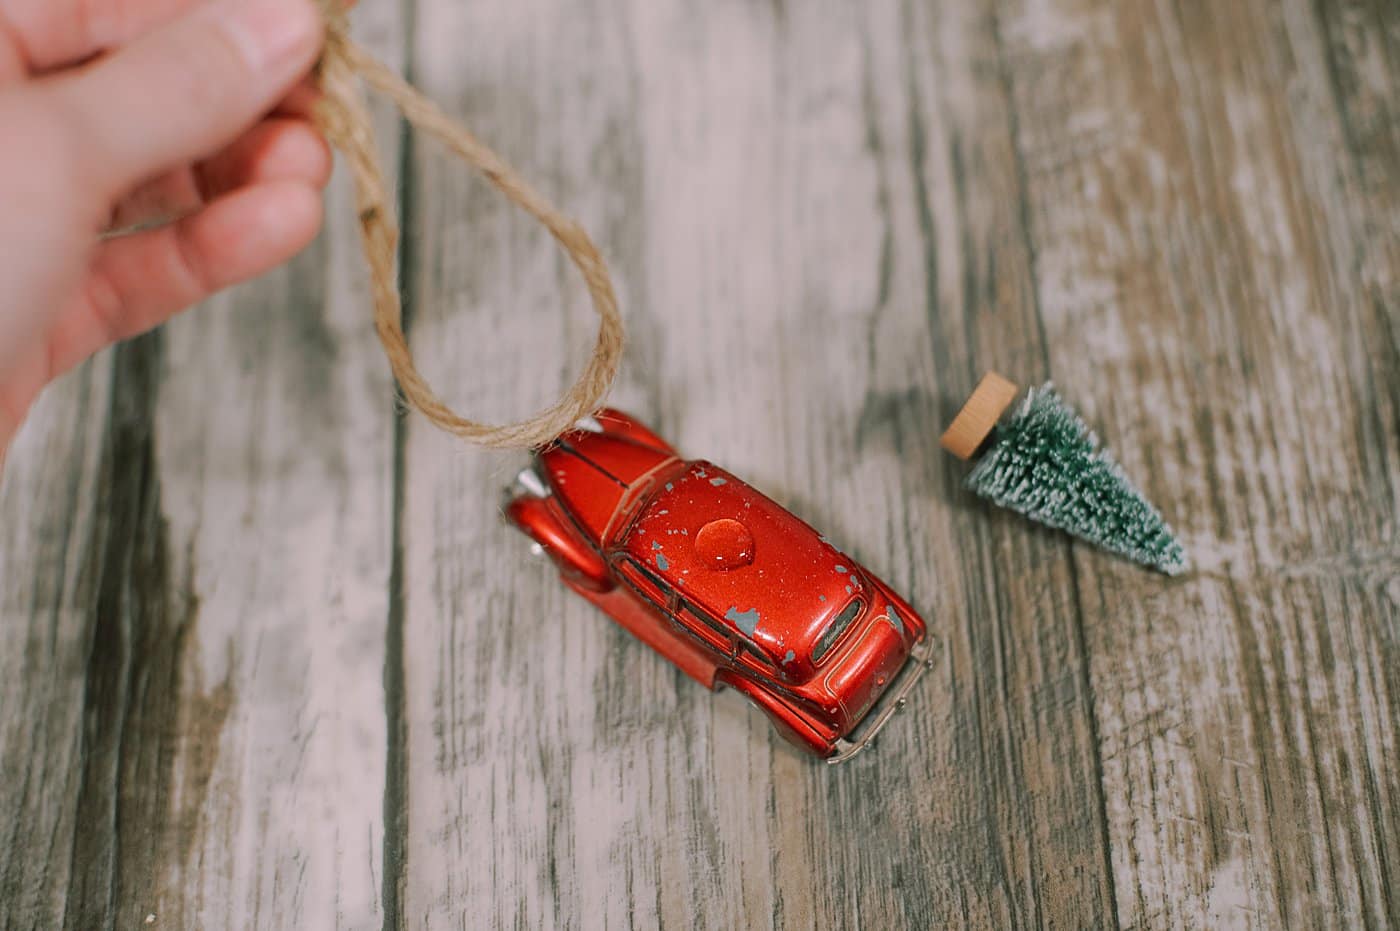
(211, 69)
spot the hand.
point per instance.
(184, 119)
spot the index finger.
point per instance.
(41, 35)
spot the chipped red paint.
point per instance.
(722, 581)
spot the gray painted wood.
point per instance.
(195, 562)
(276, 661)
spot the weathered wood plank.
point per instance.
(273, 661)
(196, 558)
(1020, 790)
(803, 248)
(1197, 213)
(52, 510)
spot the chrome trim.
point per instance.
(920, 661)
(529, 482)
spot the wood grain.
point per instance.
(1247, 717)
(276, 661)
(195, 556)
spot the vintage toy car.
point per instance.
(723, 582)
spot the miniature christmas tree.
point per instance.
(1044, 462)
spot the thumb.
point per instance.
(185, 91)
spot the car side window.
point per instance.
(646, 583)
(756, 658)
(706, 628)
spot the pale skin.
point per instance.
(187, 120)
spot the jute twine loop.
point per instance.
(343, 115)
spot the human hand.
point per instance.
(125, 113)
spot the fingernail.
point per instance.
(276, 35)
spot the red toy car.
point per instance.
(723, 582)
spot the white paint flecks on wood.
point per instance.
(193, 720)
(1246, 719)
(275, 661)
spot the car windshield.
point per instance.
(835, 629)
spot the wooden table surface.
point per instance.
(270, 658)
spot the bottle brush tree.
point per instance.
(1044, 462)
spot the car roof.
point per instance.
(782, 600)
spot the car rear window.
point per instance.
(835, 629)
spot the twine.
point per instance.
(343, 116)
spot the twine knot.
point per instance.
(343, 116)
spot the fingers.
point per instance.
(170, 196)
(183, 92)
(277, 149)
(138, 281)
(301, 100)
(41, 35)
(14, 59)
(47, 34)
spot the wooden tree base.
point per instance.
(992, 396)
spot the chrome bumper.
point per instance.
(920, 661)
